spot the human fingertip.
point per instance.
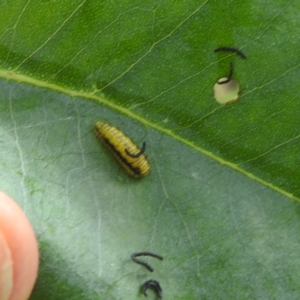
(21, 248)
(6, 273)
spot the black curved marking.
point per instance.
(153, 284)
(231, 49)
(139, 153)
(229, 75)
(136, 171)
(137, 254)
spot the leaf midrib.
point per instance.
(17, 77)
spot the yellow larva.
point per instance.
(126, 152)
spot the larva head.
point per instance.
(99, 127)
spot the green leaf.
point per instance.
(217, 203)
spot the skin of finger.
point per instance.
(6, 269)
(22, 243)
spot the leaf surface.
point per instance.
(217, 204)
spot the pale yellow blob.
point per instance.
(227, 92)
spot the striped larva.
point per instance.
(131, 158)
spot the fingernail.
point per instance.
(6, 270)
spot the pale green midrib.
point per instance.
(9, 75)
